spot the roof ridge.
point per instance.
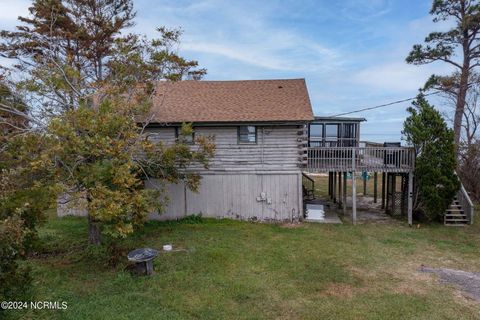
(231, 80)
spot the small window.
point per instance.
(331, 130)
(316, 130)
(247, 134)
(190, 139)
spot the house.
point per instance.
(259, 128)
(267, 143)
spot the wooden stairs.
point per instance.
(455, 216)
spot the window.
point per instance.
(349, 135)
(316, 130)
(247, 134)
(190, 139)
(331, 130)
(348, 130)
(315, 133)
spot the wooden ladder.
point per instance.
(455, 215)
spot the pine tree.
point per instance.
(461, 40)
(435, 181)
(91, 84)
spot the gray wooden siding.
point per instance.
(239, 196)
(277, 147)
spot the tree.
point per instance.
(468, 168)
(69, 49)
(462, 39)
(10, 122)
(435, 181)
(103, 154)
(24, 194)
(89, 86)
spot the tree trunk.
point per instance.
(462, 91)
(460, 106)
(94, 236)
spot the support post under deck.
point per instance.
(375, 189)
(383, 190)
(354, 190)
(410, 198)
(340, 196)
(344, 206)
(334, 187)
(329, 184)
(364, 176)
(354, 198)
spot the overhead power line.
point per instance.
(382, 105)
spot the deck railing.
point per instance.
(466, 203)
(373, 159)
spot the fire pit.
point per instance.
(143, 259)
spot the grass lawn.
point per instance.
(233, 269)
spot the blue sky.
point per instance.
(351, 53)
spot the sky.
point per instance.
(350, 52)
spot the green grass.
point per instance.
(244, 270)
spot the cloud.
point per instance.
(384, 69)
(365, 10)
(11, 9)
(397, 76)
(248, 34)
(291, 55)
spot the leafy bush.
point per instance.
(24, 197)
(15, 280)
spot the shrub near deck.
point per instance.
(246, 270)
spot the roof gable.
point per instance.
(231, 101)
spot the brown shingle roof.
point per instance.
(232, 101)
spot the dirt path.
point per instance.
(468, 282)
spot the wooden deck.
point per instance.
(371, 159)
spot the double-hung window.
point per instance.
(247, 134)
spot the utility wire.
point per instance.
(383, 105)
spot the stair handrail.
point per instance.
(464, 198)
(465, 201)
(310, 180)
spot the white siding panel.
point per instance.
(235, 196)
(175, 208)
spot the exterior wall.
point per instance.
(268, 196)
(245, 181)
(69, 206)
(277, 147)
(259, 181)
